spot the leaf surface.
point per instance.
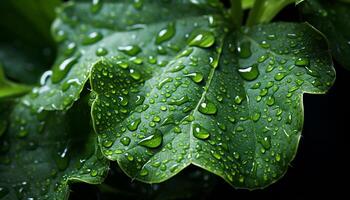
(332, 19)
(231, 103)
(41, 153)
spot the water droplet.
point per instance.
(302, 62)
(62, 159)
(203, 39)
(196, 77)
(163, 82)
(262, 58)
(96, 6)
(70, 49)
(270, 101)
(238, 99)
(138, 4)
(131, 50)
(236, 155)
(152, 141)
(279, 76)
(256, 117)
(92, 38)
(101, 51)
(180, 101)
(278, 157)
(135, 74)
(250, 73)
(93, 173)
(125, 141)
(200, 132)
(244, 50)
(134, 124)
(208, 108)
(107, 143)
(60, 71)
(169, 120)
(185, 53)
(177, 68)
(45, 77)
(144, 172)
(166, 33)
(266, 142)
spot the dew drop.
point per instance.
(166, 33)
(200, 132)
(152, 141)
(203, 39)
(101, 51)
(125, 141)
(92, 38)
(244, 50)
(302, 62)
(196, 77)
(134, 124)
(179, 101)
(280, 76)
(266, 142)
(250, 73)
(208, 108)
(130, 50)
(60, 71)
(144, 172)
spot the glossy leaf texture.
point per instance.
(26, 46)
(41, 153)
(227, 101)
(332, 19)
(88, 31)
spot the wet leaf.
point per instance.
(9, 89)
(242, 119)
(42, 153)
(332, 19)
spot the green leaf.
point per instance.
(86, 32)
(26, 47)
(10, 89)
(233, 106)
(41, 153)
(332, 19)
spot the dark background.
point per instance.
(319, 165)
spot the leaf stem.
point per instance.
(236, 12)
(264, 11)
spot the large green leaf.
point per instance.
(41, 153)
(86, 31)
(230, 103)
(331, 18)
(26, 47)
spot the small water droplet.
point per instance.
(62, 159)
(135, 74)
(138, 4)
(208, 108)
(279, 76)
(93, 173)
(144, 172)
(270, 101)
(131, 50)
(101, 51)
(203, 39)
(163, 82)
(177, 68)
(266, 142)
(179, 101)
(200, 132)
(249, 73)
(152, 141)
(166, 33)
(256, 117)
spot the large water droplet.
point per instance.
(208, 108)
(92, 38)
(203, 39)
(125, 141)
(250, 73)
(200, 132)
(243, 49)
(196, 77)
(131, 50)
(60, 71)
(152, 141)
(134, 124)
(302, 62)
(96, 6)
(166, 33)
